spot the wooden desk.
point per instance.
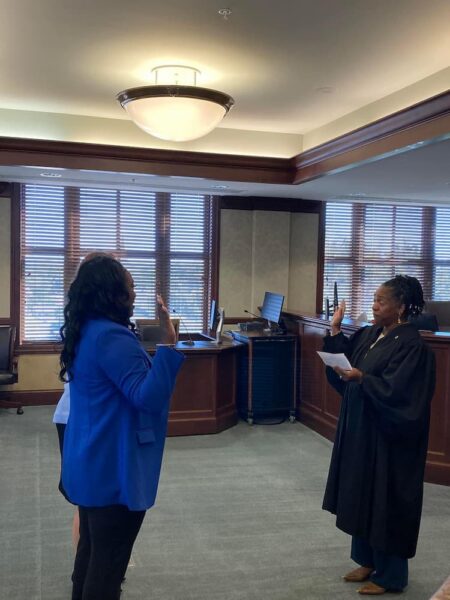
(204, 400)
(319, 404)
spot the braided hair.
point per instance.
(408, 291)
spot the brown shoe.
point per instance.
(359, 574)
(371, 589)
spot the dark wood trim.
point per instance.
(32, 397)
(215, 250)
(39, 348)
(235, 320)
(270, 203)
(74, 155)
(316, 421)
(320, 258)
(15, 260)
(437, 473)
(201, 425)
(425, 121)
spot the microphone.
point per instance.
(253, 314)
(190, 341)
(335, 297)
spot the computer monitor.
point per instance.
(213, 317)
(271, 308)
(215, 323)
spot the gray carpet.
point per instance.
(238, 517)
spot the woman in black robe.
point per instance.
(375, 482)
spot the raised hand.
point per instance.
(169, 335)
(337, 318)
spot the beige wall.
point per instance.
(417, 92)
(5, 256)
(235, 269)
(303, 262)
(270, 272)
(38, 372)
(267, 251)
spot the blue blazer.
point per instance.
(119, 406)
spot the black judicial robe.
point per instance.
(375, 482)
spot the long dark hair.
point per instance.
(408, 291)
(99, 290)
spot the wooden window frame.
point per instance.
(71, 254)
(426, 261)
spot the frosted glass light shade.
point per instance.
(175, 113)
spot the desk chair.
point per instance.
(441, 310)
(151, 332)
(425, 322)
(8, 366)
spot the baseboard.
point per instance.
(33, 398)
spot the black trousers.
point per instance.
(107, 535)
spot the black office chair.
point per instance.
(150, 331)
(425, 322)
(8, 366)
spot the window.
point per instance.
(164, 240)
(366, 244)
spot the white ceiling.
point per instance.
(274, 58)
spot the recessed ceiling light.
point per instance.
(43, 167)
(50, 175)
(220, 187)
(184, 177)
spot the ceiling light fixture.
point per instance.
(172, 110)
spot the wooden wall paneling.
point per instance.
(226, 382)
(33, 397)
(74, 155)
(311, 390)
(438, 458)
(204, 399)
(270, 203)
(437, 446)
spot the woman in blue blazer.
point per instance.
(115, 433)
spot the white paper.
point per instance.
(335, 360)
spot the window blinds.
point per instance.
(164, 240)
(366, 244)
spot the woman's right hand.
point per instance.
(170, 336)
(337, 318)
